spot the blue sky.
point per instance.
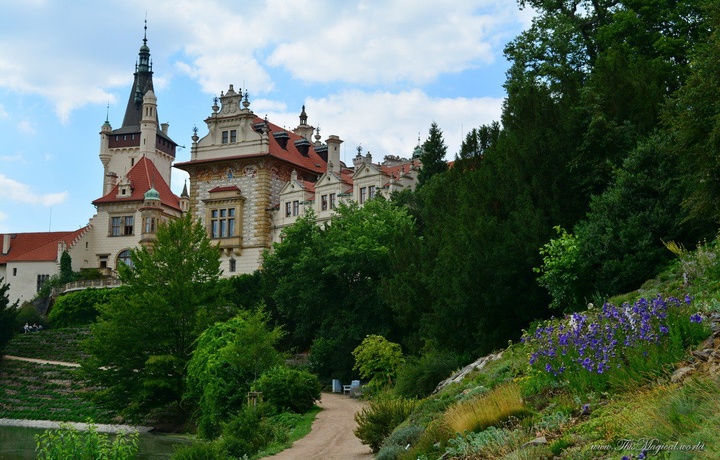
(375, 73)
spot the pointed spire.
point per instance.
(303, 116)
(184, 191)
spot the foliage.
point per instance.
(559, 270)
(619, 243)
(378, 359)
(80, 308)
(433, 155)
(377, 420)
(488, 409)
(142, 340)
(418, 377)
(616, 345)
(490, 443)
(68, 443)
(248, 431)
(326, 283)
(289, 389)
(398, 440)
(66, 271)
(7, 315)
(228, 358)
(28, 314)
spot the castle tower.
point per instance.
(141, 133)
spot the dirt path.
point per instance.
(41, 361)
(332, 435)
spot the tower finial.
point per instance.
(107, 113)
(145, 36)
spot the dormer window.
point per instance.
(225, 137)
(233, 135)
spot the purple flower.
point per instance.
(696, 318)
(688, 299)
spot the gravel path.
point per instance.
(332, 435)
(41, 361)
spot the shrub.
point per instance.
(28, 314)
(560, 270)
(399, 439)
(247, 432)
(377, 359)
(418, 377)
(201, 451)
(290, 389)
(490, 443)
(8, 313)
(380, 418)
(79, 308)
(85, 445)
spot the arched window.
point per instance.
(124, 257)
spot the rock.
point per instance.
(680, 374)
(535, 442)
(459, 375)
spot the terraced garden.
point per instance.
(44, 391)
(50, 344)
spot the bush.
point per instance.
(290, 389)
(27, 314)
(377, 359)
(69, 443)
(418, 377)
(201, 451)
(8, 313)
(80, 308)
(380, 418)
(398, 440)
(248, 432)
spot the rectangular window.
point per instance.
(288, 210)
(41, 280)
(121, 226)
(233, 135)
(14, 271)
(296, 208)
(332, 201)
(224, 137)
(232, 265)
(149, 225)
(324, 203)
(222, 223)
(363, 194)
(371, 192)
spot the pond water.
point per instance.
(18, 443)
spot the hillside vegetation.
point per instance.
(658, 395)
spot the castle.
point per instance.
(249, 179)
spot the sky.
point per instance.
(376, 73)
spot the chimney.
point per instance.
(164, 127)
(6, 243)
(333, 155)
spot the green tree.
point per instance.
(433, 155)
(8, 312)
(229, 357)
(142, 341)
(66, 271)
(327, 283)
(378, 359)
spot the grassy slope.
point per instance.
(653, 410)
(47, 392)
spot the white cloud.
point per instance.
(17, 158)
(387, 123)
(26, 127)
(3, 113)
(16, 191)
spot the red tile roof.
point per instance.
(290, 154)
(37, 247)
(143, 176)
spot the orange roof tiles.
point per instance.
(143, 176)
(37, 247)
